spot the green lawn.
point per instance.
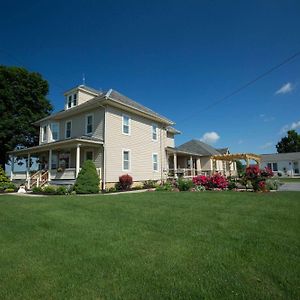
(155, 245)
(287, 179)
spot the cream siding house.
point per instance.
(118, 134)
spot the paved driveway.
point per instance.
(291, 186)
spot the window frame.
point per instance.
(153, 162)
(75, 99)
(44, 133)
(154, 132)
(57, 123)
(85, 154)
(129, 160)
(86, 123)
(66, 128)
(129, 124)
(69, 101)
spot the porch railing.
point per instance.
(186, 172)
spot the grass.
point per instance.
(287, 179)
(151, 246)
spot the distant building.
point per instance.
(285, 163)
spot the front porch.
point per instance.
(57, 161)
(187, 165)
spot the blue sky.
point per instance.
(176, 57)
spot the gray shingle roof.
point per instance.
(222, 150)
(198, 147)
(118, 97)
(280, 156)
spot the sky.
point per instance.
(177, 57)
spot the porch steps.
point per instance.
(62, 182)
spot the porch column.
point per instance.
(198, 162)
(77, 159)
(191, 165)
(28, 171)
(12, 167)
(175, 164)
(49, 164)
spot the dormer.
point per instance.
(79, 95)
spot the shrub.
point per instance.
(137, 187)
(37, 190)
(61, 190)
(3, 177)
(216, 181)
(113, 189)
(51, 190)
(165, 187)
(232, 185)
(273, 184)
(149, 184)
(198, 188)
(256, 176)
(7, 185)
(87, 181)
(185, 185)
(125, 182)
(9, 190)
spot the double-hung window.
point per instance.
(44, 133)
(126, 125)
(70, 101)
(126, 160)
(89, 124)
(55, 131)
(68, 131)
(74, 99)
(155, 162)
(154, 132)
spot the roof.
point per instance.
(113, 96)
(280, 156)
(198, 147)
(173, 130)
(222, 150)
(118, 97)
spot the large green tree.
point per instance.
(290, 143)
(22, 102)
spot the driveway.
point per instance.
(290, 186)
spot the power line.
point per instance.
(246, 85)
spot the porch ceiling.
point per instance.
(58, 145)
(180, 152)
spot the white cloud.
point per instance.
(295, 125)
(266, 145)
(240, 142)
(285, 89)
(210, 137)
(266, 118)
(287, 127)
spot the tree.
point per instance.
(240, 167)
(290, 143)
(22, 102)
(87, 181)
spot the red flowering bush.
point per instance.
(125, 182)
(258, 176)
(216, 181)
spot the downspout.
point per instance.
(161, 155)
(104, 152)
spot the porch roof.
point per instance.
(83, 140)
(177, 151)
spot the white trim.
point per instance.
(152, 125)
(44, 135)
(157, 162)
(86, 118)
(129, 160)
(68, 121)
(129, 124)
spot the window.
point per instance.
(70, 101)
(155, 162)
(89, 124)
(54, 161)
(68, 129)
(275, 167)
(269, 165)
(44, 133)
(126, 125)
(89, 155)
(74, 99)
(126, 160)
(154, 132)
(55, 131)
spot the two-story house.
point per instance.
(118, 134)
